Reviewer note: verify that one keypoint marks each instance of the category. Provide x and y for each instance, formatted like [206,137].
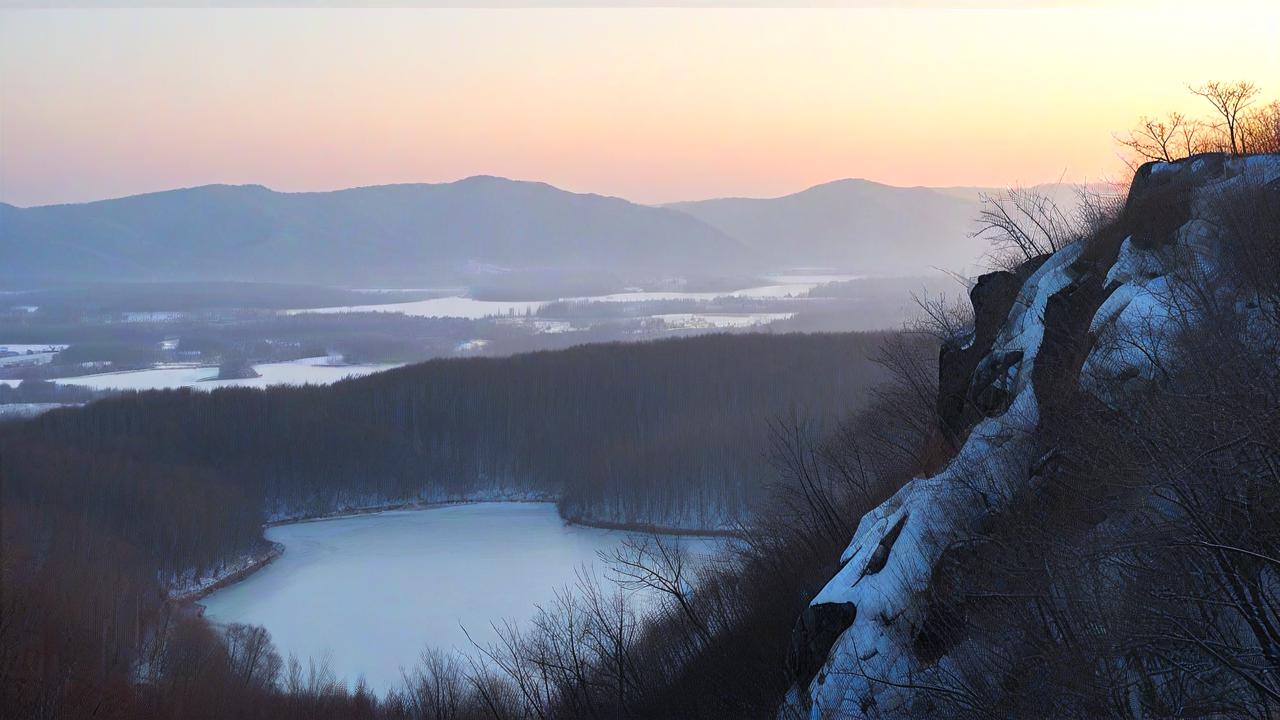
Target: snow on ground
[192,584]
[893,551]
[686,321]
[784,286]
[890,559]
[464,307]
[38,348]
[315,371]
[35,358]
[28,354]
[454,306]
[13,411]
[153,316]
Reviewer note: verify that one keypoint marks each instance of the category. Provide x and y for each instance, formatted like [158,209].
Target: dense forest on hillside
[667,433]
[104,506]
[1063,500]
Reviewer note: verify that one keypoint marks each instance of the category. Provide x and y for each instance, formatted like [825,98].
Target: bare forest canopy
[1114,554]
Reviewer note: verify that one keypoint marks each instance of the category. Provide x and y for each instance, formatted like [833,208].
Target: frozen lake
[454,306]
[370,592]
[738,320]
[314,371]
[781,286]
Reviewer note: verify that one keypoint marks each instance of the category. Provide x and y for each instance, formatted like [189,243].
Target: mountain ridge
[382,234]
[851,224]
[416,233]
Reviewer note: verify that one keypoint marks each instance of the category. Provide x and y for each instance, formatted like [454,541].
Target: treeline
[668,433]
[90,526]
[109,507]
[1240,122]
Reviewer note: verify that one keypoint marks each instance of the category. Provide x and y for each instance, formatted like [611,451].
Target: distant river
[372,591]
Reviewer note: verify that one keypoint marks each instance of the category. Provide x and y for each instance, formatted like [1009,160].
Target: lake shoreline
[255,564]
[649,529]
[392,507]
[408,579]
[262,560]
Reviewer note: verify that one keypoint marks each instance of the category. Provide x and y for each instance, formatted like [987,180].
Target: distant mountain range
[393,235]
[855,225]
[462,232]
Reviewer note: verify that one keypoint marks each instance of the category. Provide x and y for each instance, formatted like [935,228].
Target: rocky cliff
[872,642]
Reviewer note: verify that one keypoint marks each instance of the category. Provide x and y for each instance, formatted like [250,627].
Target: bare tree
[1158,139]
[1229,100]
[436,687]
[1260,128]
[252,659]
[1022,224]
[658,564]
[943,317]
[1097,209]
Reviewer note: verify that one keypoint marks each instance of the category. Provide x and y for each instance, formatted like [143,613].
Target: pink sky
[650,104]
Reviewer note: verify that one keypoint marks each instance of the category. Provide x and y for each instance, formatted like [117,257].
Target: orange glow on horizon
[652,105]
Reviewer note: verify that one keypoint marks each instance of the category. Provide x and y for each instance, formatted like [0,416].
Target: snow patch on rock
[887,566]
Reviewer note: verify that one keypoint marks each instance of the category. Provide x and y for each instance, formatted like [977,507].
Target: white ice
[314,371]
[373,591]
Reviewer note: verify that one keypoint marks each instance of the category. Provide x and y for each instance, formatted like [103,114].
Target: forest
[1121,561]
[110,508]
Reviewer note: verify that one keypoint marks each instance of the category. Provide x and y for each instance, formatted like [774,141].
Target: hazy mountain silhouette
[463,232]
[407,235]
[855,225]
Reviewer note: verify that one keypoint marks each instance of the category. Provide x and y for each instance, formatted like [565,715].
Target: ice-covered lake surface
[725,320]
[454,306]
[371,592]
[781,286]
[314,371]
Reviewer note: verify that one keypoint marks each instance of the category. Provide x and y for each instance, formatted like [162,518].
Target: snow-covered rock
[1102,308]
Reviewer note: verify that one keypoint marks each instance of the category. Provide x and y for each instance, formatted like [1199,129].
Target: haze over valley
[221,285]
[533,360]
[477,230]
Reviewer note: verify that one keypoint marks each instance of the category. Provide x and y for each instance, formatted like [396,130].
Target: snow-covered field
[684,321]
[455,306]
[371,592]
[781,286]
[13,411]
[28,354]
[18,348]
[315,371]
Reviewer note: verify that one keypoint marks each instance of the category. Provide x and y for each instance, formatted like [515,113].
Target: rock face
[1040,336]
[815,631]
[959,389]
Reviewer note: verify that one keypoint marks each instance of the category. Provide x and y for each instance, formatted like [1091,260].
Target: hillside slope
[1073,396]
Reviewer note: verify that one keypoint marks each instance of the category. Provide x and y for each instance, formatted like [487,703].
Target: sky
[652,104]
